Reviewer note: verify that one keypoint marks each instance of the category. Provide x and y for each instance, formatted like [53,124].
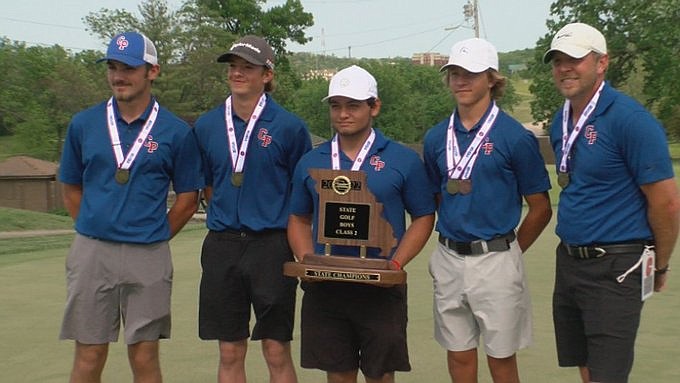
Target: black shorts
[241,270]
[596,318]
[347,326]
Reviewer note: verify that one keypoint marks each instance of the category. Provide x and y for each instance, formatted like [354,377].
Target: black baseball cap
[253,49]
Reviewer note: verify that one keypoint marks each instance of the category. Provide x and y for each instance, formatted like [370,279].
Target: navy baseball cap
[131,48]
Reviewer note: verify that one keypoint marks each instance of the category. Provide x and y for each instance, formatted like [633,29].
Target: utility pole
[476,12]
[471,11]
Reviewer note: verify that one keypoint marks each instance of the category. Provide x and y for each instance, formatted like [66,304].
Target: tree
[157,22]
[307,104]
[642,37]
[659,44]
[190,40]
[41,89]
[277,24]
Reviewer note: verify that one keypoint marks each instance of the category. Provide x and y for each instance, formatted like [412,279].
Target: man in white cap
[350,326]
[250,146]
[618,209]
[483,163]
[117,164]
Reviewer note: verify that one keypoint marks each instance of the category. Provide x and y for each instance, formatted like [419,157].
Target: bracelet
[396,263]
[663,270]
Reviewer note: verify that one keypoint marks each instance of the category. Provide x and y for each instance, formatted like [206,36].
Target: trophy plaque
[349,215]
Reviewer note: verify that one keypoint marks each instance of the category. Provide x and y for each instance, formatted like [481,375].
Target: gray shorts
[481,295]
[108,282]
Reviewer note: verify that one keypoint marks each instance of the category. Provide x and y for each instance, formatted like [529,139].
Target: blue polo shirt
[621,147]
[399,183]
[133,212]
[508,167]
[277,142]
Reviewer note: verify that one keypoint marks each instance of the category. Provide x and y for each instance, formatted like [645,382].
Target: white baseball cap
[353,82]
[474,55]
[576,40]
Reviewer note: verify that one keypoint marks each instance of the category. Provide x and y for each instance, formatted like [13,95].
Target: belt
[228,233]
[597,251]
[499,243]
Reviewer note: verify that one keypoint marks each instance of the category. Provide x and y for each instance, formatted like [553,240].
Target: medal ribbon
[238,155]
[569,139]
[335,152]
[456,164]
[126,163]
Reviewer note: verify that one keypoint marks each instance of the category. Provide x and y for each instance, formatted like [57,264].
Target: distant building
[514,68]
[429,59]
[325,74]
[30,184]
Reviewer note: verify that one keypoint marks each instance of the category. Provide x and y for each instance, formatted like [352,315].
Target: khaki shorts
[481,295]
[108,282]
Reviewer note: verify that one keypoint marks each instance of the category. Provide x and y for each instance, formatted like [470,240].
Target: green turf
[19,219]
[33,293]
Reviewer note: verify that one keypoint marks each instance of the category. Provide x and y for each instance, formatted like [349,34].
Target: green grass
[16,250]
[18,219]
[33,293]
[674,148]
[522,111]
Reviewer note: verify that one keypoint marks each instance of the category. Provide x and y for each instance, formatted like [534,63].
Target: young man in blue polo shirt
[118,161]
[250,147]
[348,326]
[484,163]
[618,209]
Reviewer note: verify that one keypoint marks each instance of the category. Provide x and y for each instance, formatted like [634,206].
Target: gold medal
[237,179]
[122,176]
[563,179]
[464,186]
[452,186]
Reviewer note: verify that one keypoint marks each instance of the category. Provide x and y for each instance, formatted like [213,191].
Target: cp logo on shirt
[264,138]
[488,148]
[377,163]
[151,145]
[590,134]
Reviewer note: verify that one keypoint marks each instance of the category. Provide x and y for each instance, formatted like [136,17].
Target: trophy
[349,215]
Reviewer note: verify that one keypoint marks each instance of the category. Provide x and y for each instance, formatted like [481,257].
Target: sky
[343,28]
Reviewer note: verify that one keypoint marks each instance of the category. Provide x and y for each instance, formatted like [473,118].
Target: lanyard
[238,155]
[456,164]
[569,139]
[335,152]
[126,163]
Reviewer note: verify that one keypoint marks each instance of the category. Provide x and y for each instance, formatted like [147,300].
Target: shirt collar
[269,111]
[380,142]
[458,125]
[142,117]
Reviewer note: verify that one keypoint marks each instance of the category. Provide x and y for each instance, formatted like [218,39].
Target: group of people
[617,218]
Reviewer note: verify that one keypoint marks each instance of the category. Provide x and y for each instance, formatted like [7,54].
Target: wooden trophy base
[345,269]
